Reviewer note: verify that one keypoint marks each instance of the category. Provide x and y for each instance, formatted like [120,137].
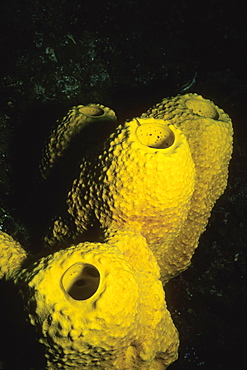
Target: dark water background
[128,55]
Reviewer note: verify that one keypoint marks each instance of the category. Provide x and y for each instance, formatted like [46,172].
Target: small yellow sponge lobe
[11,256]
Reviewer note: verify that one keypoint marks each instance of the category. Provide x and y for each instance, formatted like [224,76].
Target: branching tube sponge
[133,216]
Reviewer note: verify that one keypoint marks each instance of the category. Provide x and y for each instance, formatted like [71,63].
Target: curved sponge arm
[69,127]
[11,256]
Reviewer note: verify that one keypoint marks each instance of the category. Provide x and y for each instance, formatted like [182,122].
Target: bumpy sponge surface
[142,179]
[150,186]
[101,305]
[70,128]
[209,132]
[11,256]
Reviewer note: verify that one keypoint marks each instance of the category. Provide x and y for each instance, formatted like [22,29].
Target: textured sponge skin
[164,192]
[122,323]
[11,256]
[132,185]
[136,186]
[209,133]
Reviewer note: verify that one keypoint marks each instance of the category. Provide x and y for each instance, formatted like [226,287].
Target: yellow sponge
[101,304]
[11,256]
[68,129]
[143,179]
[209,132]
[151,187]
